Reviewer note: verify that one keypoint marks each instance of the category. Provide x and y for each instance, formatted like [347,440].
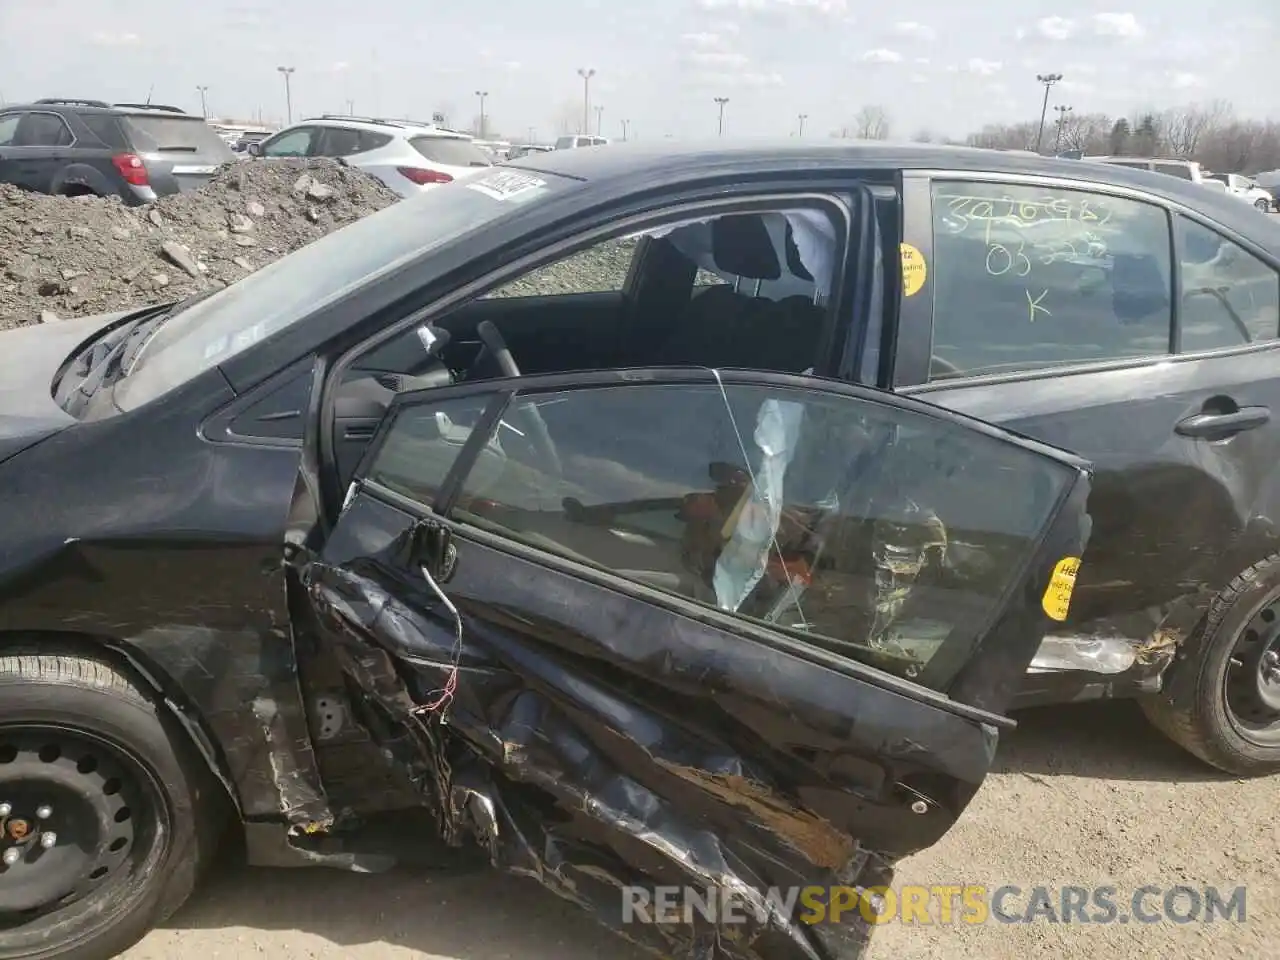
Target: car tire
[87,758]
[1263,205]
[1193,708]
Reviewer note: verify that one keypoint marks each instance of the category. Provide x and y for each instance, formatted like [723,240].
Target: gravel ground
[1070,802]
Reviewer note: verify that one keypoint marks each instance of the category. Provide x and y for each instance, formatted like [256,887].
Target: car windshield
[294,287]
[451,151]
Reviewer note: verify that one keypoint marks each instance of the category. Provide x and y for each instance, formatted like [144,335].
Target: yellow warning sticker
[913,270]
[1057,596]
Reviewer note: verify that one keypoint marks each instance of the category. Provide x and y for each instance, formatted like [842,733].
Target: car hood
[29,359]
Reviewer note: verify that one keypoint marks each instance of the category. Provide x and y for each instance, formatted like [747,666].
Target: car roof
[627,166]
[73,105]
[410,128]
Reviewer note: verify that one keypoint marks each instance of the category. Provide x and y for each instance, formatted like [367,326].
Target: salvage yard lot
[1080,795]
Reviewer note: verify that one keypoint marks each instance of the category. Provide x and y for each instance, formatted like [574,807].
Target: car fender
[83,175]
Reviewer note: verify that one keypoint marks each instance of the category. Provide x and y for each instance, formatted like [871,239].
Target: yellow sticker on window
[1057,596]
[913,270]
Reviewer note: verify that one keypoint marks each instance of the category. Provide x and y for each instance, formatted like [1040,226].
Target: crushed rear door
[728,634]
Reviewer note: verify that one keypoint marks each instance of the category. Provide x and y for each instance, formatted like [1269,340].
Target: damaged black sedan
[566,508]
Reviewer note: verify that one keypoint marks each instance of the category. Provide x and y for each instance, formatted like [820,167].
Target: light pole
[351,108]
[625,124]
[287,72]
[481,95]
[803,118]
[1048,79]
[1062,122]
[530,140]
[586,73]
[599,121]
[204,103]
[720,125]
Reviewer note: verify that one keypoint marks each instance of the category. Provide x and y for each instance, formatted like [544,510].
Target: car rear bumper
[1073,667]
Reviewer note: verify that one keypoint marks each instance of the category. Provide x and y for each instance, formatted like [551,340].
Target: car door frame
[575,234]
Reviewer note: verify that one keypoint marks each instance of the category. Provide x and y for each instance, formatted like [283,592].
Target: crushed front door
[725,634]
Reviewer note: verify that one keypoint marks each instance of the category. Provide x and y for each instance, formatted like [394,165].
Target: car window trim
[912,199]
[502,394]
[61,119]
[310,143]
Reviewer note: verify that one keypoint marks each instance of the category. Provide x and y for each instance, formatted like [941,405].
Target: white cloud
[916,31]
[1125,26]
[512,65]
[881,56]
[716,58]
[922,61]
[723,80]
[918,78]
[1076,86]
[984,68]
[702,41]
[823,7]
[1080,69]
[105,39]
[339,67]
[1181,80]
[1055,28]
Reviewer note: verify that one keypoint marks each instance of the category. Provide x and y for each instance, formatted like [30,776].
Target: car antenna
[150,91]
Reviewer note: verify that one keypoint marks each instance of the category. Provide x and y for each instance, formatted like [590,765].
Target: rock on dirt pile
[73,256]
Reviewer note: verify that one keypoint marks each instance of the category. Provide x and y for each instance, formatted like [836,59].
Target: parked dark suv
[131,150]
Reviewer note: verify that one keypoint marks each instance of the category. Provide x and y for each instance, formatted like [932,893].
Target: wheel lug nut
[44,813]
[48,839]
[5,809]
[11,856]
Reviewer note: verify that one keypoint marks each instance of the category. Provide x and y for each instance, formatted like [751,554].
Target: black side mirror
[255,149]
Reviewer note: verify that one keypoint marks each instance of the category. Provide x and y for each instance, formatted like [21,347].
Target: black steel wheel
[1263,205]
[98,810]
[1222,694]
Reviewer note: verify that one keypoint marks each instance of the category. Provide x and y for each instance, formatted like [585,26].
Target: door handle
[1219,426]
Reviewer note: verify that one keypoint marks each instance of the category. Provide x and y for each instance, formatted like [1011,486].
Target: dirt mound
[73,256]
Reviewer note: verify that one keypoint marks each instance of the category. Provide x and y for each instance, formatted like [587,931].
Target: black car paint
[141,553]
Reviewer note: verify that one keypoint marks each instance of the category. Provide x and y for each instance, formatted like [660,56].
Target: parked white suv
[407,156]
[1174,167]
[1246,189]
[580,140]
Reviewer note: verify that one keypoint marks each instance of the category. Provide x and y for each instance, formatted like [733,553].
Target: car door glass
[1027,277]
[882,534]
[336,142]
[1229,296]
[601,268]
[422,444]
[9,128]
[295,143]
[44,130]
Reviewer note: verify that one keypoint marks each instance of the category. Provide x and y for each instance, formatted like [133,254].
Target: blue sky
[939,64]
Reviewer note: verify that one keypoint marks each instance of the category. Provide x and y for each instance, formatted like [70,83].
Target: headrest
[741,246]
[794,263]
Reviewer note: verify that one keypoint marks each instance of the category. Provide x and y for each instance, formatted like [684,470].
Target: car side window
[1229,296]
[336,142]
[44,130]
[294,143]
[1028,277]
[1179,170]
[882,534]
[9,128]
[601,268]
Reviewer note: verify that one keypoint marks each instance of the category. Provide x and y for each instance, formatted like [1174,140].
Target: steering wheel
[528,412]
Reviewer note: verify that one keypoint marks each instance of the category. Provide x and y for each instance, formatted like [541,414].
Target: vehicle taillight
[422,177]
[131,168]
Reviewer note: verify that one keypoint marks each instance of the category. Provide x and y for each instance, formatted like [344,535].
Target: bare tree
[1185,128]
[871,123]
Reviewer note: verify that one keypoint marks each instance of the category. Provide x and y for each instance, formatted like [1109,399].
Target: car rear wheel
[100,833]
[1222,696]
[1263,205]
